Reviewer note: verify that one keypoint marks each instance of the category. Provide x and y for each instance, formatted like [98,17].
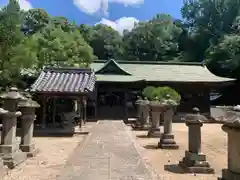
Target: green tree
[63,23]
[35,20]
[224,58]
[86,31]
[208,21]
[154,40]
[10,38]
[59,48]
[105,41]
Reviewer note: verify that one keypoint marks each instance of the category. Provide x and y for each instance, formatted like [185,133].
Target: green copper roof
[112,67]
[162,72]
[116,78]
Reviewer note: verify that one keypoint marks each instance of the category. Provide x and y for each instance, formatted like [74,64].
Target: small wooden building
[63,92]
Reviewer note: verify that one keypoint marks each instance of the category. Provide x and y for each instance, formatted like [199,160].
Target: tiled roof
[164,71]
[66,80]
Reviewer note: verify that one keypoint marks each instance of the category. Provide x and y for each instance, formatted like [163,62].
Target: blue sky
[119,14]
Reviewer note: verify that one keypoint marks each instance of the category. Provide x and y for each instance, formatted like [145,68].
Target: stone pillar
[146,117]
[194,160]
[137,125]
[233,129]
[9,150]
[28,116]
[167,139]
[139,115]
[154,130]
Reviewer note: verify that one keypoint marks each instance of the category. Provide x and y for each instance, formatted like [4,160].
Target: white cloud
[25,5]
[94,6]
[121,24]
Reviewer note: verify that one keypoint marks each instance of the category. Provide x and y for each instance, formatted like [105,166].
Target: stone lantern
[9,149]
[232,128]
[27,108]
[167,139]
[194,160]
[156,109]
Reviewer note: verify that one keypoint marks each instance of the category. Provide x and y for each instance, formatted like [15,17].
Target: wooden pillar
[84,100]
[96,101]
[79,112]
[54,111]
[125,106]
[208,102]
[44,110]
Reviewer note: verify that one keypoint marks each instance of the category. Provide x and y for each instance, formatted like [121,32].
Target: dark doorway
[111,105]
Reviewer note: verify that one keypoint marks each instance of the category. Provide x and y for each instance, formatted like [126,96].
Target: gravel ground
[47,165]
[54,152]
[214,145]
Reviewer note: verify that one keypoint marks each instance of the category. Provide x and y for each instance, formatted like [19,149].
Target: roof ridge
[68,69]
[152,62]
[106,63]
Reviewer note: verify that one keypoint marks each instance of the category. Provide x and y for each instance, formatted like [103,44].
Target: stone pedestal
[233,170]
[194,160]
[139,121]
[28,116]
[146,117]
[27,134]
[9,149]
[154,130]
[167,139]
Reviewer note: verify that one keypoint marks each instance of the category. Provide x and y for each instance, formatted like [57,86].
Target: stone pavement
[109,153]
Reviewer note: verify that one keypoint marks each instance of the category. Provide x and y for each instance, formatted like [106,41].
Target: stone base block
[195,163]
[4,149]
[154,133]
[167,142]
[146,127]
[229,175]
[30,150]
[13,159]
[141,127]
[136,126]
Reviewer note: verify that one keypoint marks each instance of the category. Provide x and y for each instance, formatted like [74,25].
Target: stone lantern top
[28,102]
[12,94]
[234,121]
[195,117]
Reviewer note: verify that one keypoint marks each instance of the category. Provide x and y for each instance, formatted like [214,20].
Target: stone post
[9,149]
[194,160]
[28,116]
[232,128]
[139,119]
[156,110]
[145,115]
[167,139]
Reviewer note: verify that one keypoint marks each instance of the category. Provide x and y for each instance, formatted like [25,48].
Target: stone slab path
[109,153]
